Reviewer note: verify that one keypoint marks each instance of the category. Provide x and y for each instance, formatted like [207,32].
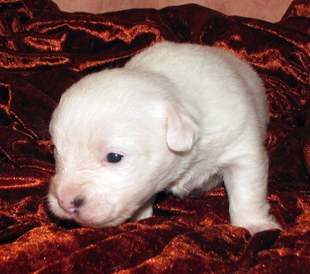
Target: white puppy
[177,117]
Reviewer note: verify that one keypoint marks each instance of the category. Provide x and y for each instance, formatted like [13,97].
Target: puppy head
[119,138]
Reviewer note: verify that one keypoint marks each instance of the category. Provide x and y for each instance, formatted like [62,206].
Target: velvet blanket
[43,51]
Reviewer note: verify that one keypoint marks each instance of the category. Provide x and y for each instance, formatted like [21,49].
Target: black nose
[77,202]
[72,206]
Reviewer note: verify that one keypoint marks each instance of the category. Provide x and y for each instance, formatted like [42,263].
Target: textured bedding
[43,51]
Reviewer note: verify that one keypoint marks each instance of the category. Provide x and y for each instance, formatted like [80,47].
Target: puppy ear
[182,128]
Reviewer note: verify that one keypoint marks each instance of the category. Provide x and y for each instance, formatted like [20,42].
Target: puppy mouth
[104,224]
[118,218]
[88,221]
[87,216]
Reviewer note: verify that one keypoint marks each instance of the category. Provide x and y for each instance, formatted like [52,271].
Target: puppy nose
[72,206]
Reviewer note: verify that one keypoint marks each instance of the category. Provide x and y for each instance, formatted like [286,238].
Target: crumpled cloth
[43,51]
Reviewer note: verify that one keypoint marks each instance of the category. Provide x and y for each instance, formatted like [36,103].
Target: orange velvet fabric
[43,51]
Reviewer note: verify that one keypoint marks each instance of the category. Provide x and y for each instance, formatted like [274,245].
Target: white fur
[183,116]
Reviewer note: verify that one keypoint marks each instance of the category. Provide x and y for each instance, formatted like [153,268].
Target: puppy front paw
[145,211]
[262,225]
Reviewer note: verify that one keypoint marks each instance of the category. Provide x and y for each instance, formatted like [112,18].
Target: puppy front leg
[246,184]
[145,211]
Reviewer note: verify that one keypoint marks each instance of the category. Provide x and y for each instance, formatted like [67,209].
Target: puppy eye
[114,157]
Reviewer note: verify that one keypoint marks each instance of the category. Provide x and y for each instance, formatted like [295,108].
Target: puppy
[177,117]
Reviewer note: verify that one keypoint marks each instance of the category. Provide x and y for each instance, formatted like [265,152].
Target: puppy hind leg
[246,185]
